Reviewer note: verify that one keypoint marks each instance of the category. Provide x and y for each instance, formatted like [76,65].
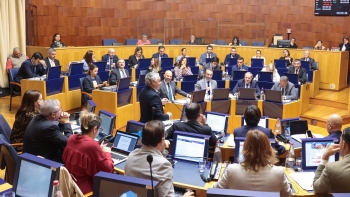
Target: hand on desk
[188,194]
[164,101]
[331,150]
[170,115]
[105,148]
[64,118]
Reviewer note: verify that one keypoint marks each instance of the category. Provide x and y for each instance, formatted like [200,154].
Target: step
[328,103]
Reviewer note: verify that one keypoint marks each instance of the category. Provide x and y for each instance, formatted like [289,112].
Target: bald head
[334,123]
[307,54]
[168,75]
[16,52]
[111,52]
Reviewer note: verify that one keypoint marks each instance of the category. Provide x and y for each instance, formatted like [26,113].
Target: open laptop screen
[217,122]
[125,142]
[264,120]
[108,120]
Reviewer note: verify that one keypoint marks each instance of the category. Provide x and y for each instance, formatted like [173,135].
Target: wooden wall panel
[86,22]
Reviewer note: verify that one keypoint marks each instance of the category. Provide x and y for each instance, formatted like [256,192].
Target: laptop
[53,73]
[247,93]
[273,96]
[221,94]
[124,144]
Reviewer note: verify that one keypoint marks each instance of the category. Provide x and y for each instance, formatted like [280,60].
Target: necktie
[208,87]
[34,69]
[246,85]
[209,56]
[297,71]
[123,73]
[282,91]
[170,93]
[110,63]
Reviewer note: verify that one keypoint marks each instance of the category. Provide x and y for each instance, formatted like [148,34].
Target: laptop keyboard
[118,157]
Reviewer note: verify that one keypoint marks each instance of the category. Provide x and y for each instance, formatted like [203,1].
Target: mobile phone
[109,145]
[309,134]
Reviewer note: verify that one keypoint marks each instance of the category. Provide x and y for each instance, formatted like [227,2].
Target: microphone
[153,109]
[150,160]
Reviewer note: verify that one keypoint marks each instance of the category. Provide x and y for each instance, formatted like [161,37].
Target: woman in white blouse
[270,68]
[258,55]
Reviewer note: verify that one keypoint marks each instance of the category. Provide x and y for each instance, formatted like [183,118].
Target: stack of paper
[304,179]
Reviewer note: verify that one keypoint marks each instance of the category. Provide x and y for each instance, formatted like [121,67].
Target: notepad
[304,179]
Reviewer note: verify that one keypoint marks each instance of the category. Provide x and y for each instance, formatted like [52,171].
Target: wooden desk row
[333,66]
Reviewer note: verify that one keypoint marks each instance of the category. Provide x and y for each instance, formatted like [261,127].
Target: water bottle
[262,95]
[290,159]
[278,127]
[217,153]
[56,192]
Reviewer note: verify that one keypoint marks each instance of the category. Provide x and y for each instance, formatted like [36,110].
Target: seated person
[182,69]
[297,69]
[235,41]
[258,56]
[168,88]
[88,60]
[51,60]
[240,66]
[293,43]
[83,156]
[287,88]
[196,123]
[161,53]
[319,45]
[334,124]
[232,54]
[257,171]
[144,40]
[155,66]
[33,67]
[183,54]
[309,59]
[286,56]
[134,59]
[213,64]
[16,59]
[153,143]
[247,82]
[92,81]
[332,177]
[192,40]
[270,68]
[118,73]
[57,42]
[29,108]
[207,84]
[111,58]
[345,46]
[208,54]
[45,138]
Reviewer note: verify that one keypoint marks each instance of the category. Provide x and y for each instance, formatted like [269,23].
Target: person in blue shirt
[209,54]
[161,53]
[334,123]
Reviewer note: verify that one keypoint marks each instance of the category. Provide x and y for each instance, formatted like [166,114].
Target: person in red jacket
[83,156]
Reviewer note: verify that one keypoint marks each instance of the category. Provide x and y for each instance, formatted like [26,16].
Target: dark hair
[152,133]
[138,49]
[319,41]
[287,51]
[37,55]
[192,111]
[180,62]
[346,136]
[233,39]
[215,59]
[88,121]
[88,57]
[294,39]
[240,58]
[252,115]
[53,39]
[183,49]
[259,51]
[209,46]
[92,67]
[28,102]
[346,37]
[161,47]
[257,151]
[296,60]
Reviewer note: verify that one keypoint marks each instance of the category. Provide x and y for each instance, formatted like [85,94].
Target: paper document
[182,101]
[304,179]
[231,142]
[298,137]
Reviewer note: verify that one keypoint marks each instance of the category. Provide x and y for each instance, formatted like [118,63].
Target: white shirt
[122,73]
[52,62]
[207,96]
[343,48]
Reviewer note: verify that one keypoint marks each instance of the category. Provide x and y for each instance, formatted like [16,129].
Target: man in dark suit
[297,69]
[287,88]
[118,73]
[208,54]
[196,123]
[252,115]
[232,54]
[51,60]
[111,58]
[247,82]
[33,67]
[168,88]
[151,105]
[161,53]
[334,123]
[43,137]
[213,64]
[240,66]
[309,59]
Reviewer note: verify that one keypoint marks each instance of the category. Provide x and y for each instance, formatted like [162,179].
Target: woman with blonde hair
[155,66]
[257,170]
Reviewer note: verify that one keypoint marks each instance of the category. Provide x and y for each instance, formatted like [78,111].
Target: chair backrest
[108,41]
[10,157]
[5,126]
[81,83]
[13,73]
[243,42]
[308,47]
[258,43]
[175,41]
[155,40]
[316,65]
[220,42]
[131,41]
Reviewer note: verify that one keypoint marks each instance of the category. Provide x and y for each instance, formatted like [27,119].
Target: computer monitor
[167,61]
[264,122]
[257,62]
[191,61]
[183,117]
[280,64]
[109,184]
[141,81]
[76,69]
[216,192]
[101,65]
[108,120]
[217,122]
[283,43]
[91,106]
[198,96]
[232,61]
[220,94]
[190,147]
[134,126]
[285,124]
[293,78]
[34,176]
[298,127]
[144,63]
[53,72]
[313,150]
[273,96]
[124,83]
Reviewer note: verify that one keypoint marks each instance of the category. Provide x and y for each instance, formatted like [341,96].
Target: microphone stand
[150,160]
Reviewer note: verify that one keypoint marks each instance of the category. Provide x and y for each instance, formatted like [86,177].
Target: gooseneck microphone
[153,109]
[150,160]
